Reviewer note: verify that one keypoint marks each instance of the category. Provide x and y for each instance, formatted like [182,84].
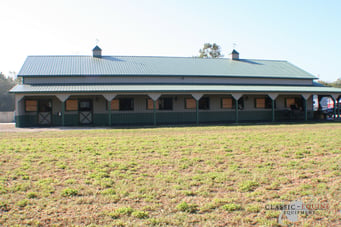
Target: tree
[336,83]
[6,99]
[210,51]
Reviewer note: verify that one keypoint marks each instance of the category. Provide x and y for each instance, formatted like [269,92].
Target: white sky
[306,33]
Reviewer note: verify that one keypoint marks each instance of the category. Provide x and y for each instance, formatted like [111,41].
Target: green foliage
[22,203]
[68,192]
[336,83]
[140,214]
[232,207]
[185,207]
[121,211]
[210,51]
[7,99]
[4,206]
[253,208]
[32,195]
[248,186]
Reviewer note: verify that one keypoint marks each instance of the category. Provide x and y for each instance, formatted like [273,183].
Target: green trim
[176,117]
[259,115]
[171,118]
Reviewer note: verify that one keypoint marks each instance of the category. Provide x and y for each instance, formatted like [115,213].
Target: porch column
[109,98]
[305,97]
[197,97]
[154,97]
[63,98]
[236,97]
[18,98]
[273,97]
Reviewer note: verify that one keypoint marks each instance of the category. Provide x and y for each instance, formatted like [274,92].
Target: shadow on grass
[231,124]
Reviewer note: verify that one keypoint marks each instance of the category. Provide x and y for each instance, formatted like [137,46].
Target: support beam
[154,112]
[109,113]
[236,110]
[197,110]
[18,98]
[305,98]
[305,110]
[236,97]
[154,97]
[63,98]
[273,109]
[273,97]
[109,98]
[63,113]
[197,97]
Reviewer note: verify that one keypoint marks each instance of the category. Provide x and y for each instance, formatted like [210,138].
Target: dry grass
[213,176]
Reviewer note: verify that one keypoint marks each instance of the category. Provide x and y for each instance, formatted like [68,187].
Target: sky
[306,33]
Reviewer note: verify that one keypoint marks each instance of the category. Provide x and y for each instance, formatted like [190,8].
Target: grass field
[179,176]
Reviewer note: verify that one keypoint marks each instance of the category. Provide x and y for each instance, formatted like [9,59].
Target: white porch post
[305,97]
[197,97]
[109,98]
[63,98]
[236,97]
[154,97]
[18,98]
[273,97]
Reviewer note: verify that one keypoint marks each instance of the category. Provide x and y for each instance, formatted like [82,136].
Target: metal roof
[158,66]
[171,88]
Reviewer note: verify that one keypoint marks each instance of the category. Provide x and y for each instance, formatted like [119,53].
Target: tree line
[6,99]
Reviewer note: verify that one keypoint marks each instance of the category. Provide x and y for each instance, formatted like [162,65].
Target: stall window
[226,103]
[190,103]
[165,103]
[263,103]
[150,104]
[126,104]
[294,103]
[31,105]
[45,106]
[204,103]
[115,104]
[85,105]
[71,105]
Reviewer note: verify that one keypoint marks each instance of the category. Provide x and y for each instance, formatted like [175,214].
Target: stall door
[45,112]
[85,112]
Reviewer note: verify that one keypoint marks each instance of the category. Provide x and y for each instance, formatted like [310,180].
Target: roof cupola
[97,52]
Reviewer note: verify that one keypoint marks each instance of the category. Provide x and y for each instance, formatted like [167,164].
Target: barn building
[102,90]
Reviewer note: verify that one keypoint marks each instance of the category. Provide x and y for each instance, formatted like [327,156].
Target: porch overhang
[169,89]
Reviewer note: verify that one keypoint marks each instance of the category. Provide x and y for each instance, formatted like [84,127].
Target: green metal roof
[158,66]
[171,88]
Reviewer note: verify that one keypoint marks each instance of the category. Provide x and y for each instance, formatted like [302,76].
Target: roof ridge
[145,56]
